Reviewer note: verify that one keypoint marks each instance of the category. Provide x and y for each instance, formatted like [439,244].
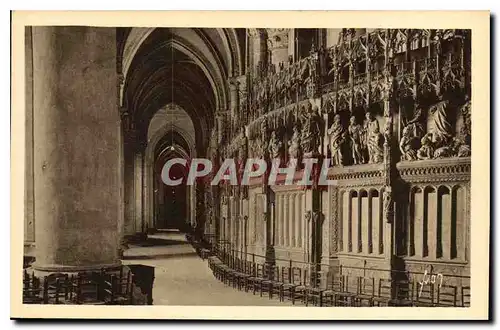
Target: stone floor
[182,278]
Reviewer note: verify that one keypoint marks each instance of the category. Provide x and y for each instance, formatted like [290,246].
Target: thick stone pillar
[29,217]
[76,148]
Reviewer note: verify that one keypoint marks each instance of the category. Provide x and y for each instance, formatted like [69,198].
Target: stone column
[257,40]
[29,217]
[138,191]
[76,148]
[129,185]
[277,43]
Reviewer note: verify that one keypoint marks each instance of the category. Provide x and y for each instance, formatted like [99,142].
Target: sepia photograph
[218,165]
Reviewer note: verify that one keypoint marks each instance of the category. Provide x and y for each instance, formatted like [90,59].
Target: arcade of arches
[107,107]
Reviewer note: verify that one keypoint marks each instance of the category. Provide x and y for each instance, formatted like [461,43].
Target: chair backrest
[350,284]
[465,296]
[259,270]
[425,293]
[285,274]
[317,278]
[447,295]
[366,286]
[405,290]
[296,275]
[274,274]
[248,267]
[336,283]
[384,288]
[306,277]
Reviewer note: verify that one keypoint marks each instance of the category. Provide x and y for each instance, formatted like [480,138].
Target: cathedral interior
[106,108]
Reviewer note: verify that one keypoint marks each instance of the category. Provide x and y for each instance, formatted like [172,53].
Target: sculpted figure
[462,149]
[310,129]
[442,126]
[409,143]
[337,136]
[388,204]
[275,147]
[294,145]
[356,136]
[373,139]
[426,151]
[243,150]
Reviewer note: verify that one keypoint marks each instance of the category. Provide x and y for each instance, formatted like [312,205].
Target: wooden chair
[56,289]
[32,289]
[263,284]
[346,296]
[314,292]
[384,293]
[465,296]
[242,274]
[366,292]
[294,281]
[283,277]
[271,278]
[286,280]
[109,290]
[87,288]
[300,291]
[447,296]
[404,293]
[255,281]
[335,285]
[425,296]
[249,273]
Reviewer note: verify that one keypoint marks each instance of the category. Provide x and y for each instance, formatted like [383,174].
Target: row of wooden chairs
[94,288]
[309,287]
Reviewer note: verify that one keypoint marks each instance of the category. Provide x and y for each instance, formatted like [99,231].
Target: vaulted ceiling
[189,67]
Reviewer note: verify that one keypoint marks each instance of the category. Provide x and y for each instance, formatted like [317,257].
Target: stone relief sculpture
[294,146]
[441,126]
[373,139]
[275,147]
[242,158]
[426,151]
[337,137]
[408,144]
[262,144]
[356,137]
[463,149]
[387,204]
[311,132]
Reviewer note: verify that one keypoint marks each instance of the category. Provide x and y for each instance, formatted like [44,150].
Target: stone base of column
[44,270]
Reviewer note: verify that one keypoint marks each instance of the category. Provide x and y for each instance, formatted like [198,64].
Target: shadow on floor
[150,241]
[159,256]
